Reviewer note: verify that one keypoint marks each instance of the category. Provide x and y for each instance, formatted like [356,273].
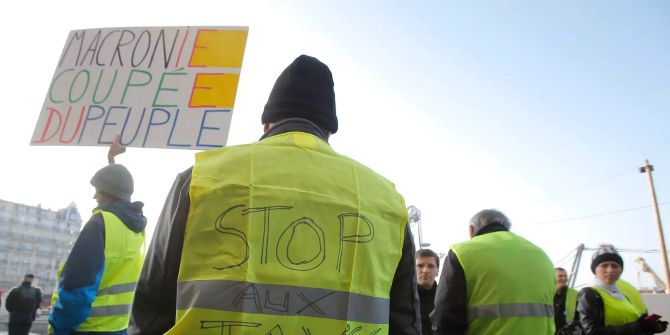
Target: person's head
[486,218]
[303,90]
[561,278]
[28,279]
[113,182]
[607,264]
[427,265]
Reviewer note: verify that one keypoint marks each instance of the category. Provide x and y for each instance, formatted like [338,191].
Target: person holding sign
[96,284]
[281,236]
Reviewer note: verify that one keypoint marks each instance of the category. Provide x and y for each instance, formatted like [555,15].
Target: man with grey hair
[495,283]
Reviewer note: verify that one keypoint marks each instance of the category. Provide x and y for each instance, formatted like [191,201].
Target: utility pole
[648,169]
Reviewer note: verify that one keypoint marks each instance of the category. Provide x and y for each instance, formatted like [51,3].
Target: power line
[589,216]
[646,251]
[643,251]
[575,189]
[566,257]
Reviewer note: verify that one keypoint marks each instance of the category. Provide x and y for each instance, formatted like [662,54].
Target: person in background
[427,266]
[243,234]
[603,309]
[22,304]
[565,299]
[495,283]
[97,282]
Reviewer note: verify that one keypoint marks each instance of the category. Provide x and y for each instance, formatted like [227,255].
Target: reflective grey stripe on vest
[244,297]
[109,310]
[510,310]
[116,289]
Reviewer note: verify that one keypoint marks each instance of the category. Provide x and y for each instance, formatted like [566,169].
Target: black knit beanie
[605,253]
[303,90]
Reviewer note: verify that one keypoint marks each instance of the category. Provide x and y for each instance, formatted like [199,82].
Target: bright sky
[543,110]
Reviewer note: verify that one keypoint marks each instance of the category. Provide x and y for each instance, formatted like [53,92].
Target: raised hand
[115,149]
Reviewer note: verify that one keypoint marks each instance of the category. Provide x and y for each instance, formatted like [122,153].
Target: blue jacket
[81,275]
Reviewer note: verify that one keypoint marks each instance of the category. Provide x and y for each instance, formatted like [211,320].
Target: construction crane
[644,268]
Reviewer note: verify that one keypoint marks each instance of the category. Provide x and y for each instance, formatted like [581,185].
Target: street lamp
[415,218]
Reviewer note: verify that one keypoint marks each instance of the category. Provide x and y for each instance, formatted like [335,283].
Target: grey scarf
[612,290]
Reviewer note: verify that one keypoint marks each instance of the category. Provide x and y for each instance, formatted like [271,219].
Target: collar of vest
[295,124]
[492,228]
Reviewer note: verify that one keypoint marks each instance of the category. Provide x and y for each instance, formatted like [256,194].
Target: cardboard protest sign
[158,87]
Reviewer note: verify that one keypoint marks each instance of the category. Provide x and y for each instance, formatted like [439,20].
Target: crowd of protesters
[287,236]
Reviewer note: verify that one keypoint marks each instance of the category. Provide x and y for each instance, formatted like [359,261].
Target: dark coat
[427,300]
[22,303]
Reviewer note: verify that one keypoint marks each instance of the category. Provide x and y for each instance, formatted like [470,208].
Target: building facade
[35,240]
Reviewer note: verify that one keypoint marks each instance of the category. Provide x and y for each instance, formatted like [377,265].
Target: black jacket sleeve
[450,316]
[591,312]
[87,257]
[153,310]
[405,317]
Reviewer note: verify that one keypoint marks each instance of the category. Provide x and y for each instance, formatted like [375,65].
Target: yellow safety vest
[54,295]
[510,285]
[633,295]
[617,312]
[570,304]
[285,236]
[124,255]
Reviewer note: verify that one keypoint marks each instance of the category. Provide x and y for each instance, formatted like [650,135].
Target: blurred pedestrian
[22,304]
